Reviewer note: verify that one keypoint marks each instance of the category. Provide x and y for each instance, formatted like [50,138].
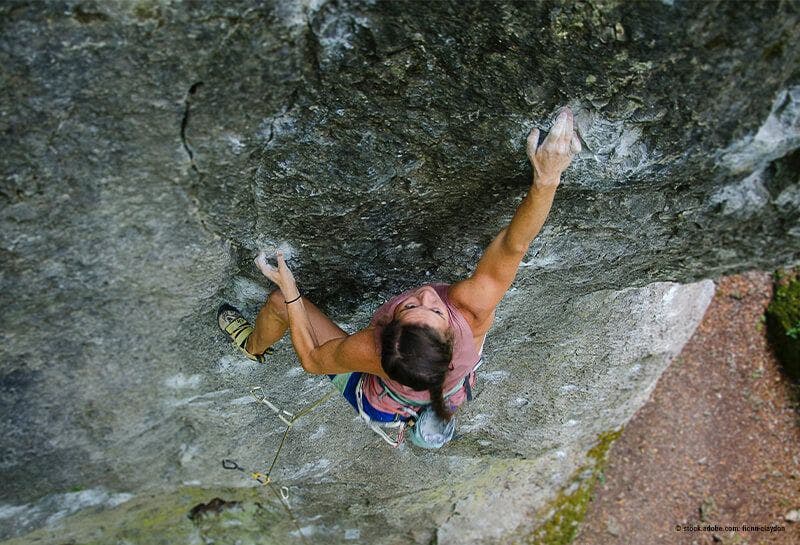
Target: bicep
[356,352]
[476,298]
[480,294]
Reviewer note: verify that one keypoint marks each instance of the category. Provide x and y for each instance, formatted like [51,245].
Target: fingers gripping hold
[533,143]
[550,158]
[266,269]
[575,145]
[562,128]
[282,268]
[282,275]
[261,263]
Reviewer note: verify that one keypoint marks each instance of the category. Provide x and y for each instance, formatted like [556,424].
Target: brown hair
[418,356]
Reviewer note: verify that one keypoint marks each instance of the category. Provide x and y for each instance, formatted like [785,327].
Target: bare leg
[273,321]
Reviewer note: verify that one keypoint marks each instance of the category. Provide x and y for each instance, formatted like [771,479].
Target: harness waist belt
[405,401]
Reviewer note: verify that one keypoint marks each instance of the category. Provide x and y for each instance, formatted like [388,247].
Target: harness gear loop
[378,428]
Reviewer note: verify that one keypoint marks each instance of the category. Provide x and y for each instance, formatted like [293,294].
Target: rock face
[149,148]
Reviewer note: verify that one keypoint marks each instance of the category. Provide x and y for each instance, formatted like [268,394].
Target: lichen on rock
[562,516]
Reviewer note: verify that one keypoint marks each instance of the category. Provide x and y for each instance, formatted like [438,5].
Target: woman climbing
[415,361]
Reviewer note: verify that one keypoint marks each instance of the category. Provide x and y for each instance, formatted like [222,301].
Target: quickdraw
[264,479]
[260,477]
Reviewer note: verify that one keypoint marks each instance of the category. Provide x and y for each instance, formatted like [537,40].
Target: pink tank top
[465,357]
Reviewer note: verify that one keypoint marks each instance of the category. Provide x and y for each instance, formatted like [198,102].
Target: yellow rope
[265,479]
[284,501]
[280,447]
[314,405]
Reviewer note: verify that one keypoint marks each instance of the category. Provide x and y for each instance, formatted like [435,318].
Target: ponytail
[418,356]
[438,405]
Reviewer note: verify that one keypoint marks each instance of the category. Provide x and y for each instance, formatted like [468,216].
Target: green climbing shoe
[232,322]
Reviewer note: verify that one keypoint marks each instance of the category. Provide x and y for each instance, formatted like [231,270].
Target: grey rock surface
[151,147]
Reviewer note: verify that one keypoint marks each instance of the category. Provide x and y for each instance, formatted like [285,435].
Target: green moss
[783,320]
[565,513]
[251,516]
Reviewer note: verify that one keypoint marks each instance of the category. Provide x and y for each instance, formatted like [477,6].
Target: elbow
[518,251]
[311,365]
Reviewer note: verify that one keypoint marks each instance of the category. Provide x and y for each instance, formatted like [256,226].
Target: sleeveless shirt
[464,359]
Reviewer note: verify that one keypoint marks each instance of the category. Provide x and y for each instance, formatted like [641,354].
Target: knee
[276,301]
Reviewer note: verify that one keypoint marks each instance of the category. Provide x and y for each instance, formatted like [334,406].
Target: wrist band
[295,299]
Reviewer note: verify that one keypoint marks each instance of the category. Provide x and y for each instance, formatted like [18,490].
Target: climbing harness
[433,433]
[378,427]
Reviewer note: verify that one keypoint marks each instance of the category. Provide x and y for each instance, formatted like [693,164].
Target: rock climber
[416,359]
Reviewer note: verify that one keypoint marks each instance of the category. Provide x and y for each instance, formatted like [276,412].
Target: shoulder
[466,295]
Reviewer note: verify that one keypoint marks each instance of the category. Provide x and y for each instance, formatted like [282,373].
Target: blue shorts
[346,383]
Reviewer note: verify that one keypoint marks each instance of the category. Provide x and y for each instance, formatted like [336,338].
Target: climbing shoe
[232,322]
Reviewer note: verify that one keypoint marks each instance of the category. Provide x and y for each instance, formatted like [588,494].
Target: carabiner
[230,464]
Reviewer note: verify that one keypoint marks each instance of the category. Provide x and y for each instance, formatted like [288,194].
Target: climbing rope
[265,479]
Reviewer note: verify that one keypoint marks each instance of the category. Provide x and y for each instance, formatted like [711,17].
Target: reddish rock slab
[717,444]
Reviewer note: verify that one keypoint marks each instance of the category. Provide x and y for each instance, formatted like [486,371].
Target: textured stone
[150,147]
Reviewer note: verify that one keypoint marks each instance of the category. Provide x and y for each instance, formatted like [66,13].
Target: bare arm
[356,352]
[479,294]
